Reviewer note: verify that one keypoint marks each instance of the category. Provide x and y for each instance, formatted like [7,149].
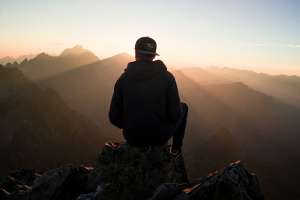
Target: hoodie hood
[144,69]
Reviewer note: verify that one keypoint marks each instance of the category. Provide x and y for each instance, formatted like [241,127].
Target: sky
[258,35]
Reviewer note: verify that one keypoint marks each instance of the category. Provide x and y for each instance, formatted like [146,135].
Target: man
[146,104]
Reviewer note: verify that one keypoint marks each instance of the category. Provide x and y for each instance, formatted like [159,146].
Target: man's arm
[116,110]
[173,104]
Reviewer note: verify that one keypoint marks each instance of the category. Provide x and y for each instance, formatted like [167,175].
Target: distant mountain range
[264,128]
[8,59]
[285,89]
[39,130]
[75,51]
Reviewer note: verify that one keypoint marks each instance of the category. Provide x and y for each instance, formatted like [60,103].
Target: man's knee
[184,107]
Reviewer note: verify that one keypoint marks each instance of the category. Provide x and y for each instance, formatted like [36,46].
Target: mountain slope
[118,63]
[204,77]
[276,182]
[262,128]
[283,88]
[39,130]
[45,66]
[5,60]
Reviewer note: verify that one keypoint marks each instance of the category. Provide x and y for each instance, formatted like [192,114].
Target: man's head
[145,49]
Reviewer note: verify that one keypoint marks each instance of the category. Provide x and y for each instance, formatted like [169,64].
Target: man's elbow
[116,121]
[174,118]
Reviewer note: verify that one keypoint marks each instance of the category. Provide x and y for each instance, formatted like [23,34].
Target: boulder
[125,172]
[104,163]
[137,172]
[67,182]
[18,184]
[233,183]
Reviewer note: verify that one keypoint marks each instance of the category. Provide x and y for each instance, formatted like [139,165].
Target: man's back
[145,103]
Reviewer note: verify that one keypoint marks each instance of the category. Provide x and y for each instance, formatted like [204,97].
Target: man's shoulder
[167,74]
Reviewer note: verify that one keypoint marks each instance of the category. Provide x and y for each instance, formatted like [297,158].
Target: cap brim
[148,52]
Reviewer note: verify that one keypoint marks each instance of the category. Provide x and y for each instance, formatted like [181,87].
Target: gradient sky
[259,35]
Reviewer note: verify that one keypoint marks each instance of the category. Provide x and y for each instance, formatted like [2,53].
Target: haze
[262,36]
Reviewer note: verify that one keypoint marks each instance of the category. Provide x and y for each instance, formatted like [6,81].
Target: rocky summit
[125,172]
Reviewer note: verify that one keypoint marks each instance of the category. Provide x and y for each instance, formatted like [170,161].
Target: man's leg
[179,129]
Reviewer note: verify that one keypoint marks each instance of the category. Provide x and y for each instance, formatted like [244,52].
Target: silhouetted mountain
[75,51]
[283,88]
[257,123]
[45,66]
[8,59]
[83,82]
[262,128]
[28,57]
[118,63]
[222,150]
[204,77]
[39,130]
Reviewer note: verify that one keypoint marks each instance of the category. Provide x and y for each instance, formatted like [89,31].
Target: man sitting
[146,103]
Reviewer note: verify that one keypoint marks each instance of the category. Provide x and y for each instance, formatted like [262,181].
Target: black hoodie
[145,103]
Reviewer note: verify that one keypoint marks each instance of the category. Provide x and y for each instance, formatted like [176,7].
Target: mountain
[262,128]
[45,66]
[86,84]
[39,130]
[5,60]
[222,149]
[75,51]
[204,77]
[83,82]
[118,63]
[285,89]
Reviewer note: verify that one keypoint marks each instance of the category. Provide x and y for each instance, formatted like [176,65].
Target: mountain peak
[222,144]
[212,67]
[75,51]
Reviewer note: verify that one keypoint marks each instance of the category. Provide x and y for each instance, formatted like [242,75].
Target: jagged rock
[133,173]
[17,185]
[91,195]
[233,182]
[137,172]
[104,162]
[4,194]
[47,186]
[25,176]
[66,182]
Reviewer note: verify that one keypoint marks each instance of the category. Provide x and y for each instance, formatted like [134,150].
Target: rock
[91,195]
[104,162]
[233,182]
[125,172]
[4,195]
[136,173]
[17,185]
[25,176]
[66,182]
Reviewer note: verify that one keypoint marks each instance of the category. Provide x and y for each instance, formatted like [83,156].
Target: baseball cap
[146,45]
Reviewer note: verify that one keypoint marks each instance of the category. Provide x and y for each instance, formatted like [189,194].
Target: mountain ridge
[39,130]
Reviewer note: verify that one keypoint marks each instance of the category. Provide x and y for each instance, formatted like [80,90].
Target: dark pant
[178,129]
